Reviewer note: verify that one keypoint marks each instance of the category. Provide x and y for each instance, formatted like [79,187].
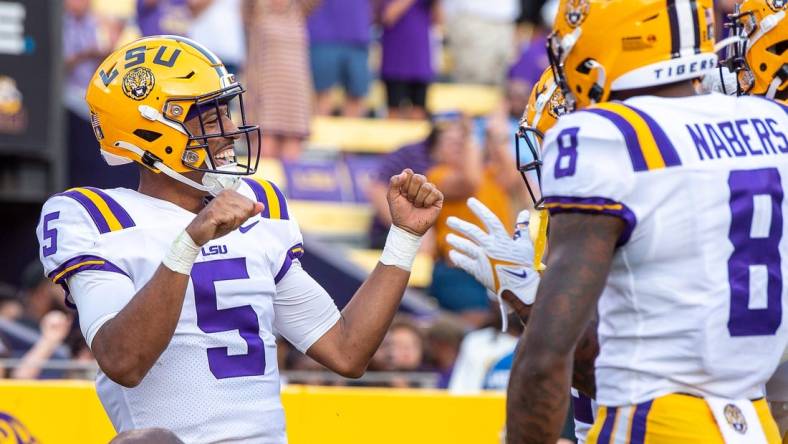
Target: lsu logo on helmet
[777,5]
[576,12]
[138,83]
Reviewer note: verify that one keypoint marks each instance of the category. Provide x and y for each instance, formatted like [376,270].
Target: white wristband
[182,254]
[401,248]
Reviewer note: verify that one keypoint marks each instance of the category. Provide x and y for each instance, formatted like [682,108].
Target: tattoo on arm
[582,248]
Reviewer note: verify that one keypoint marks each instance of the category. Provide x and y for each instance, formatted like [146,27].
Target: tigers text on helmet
[142,96]
[599,46]
[544,107]
[758,55]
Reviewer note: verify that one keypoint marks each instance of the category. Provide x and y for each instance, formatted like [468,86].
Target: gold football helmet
[599,46]
[141,97]
[759,54]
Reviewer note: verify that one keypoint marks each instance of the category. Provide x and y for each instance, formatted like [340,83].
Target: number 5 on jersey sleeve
[754,267]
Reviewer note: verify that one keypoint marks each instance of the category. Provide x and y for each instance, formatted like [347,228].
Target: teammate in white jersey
[179,293]
[758,62]
[666,216]
[505,264]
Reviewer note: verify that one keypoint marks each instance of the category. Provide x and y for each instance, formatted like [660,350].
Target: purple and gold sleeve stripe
[82,263]
[268,194]
[105,211]
[594,205]
[295,252]
[648,146]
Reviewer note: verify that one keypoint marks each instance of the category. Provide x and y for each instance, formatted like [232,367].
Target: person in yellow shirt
[462,170]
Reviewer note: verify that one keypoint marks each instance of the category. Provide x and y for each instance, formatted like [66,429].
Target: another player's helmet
[759,56]
[544,107]
[140,97]
[599,46]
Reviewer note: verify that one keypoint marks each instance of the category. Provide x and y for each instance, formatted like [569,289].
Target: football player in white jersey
[666,218]
[505,264]
[180,284]
[758,61]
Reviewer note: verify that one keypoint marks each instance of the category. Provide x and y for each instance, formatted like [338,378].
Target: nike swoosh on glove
[495,259]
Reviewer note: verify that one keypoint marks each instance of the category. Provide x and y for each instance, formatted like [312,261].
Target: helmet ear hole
[762,67]
[146,135]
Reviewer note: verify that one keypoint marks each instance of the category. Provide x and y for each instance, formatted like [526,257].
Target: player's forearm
[127,346]
[537,397]
[367,317]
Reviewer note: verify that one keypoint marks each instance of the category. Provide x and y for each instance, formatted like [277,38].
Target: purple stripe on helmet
[581,407]
[259,193]
[289,258]
[638,431]
[625,213]
[90,207]
[666,148]
[630,137]
[283,214]
[106,266]
[121,214]
[607,427]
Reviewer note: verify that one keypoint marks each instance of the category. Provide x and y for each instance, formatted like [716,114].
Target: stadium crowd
[305,58]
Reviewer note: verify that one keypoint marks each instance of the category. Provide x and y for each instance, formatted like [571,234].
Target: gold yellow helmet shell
[141,95]
[764,24]
[599,46]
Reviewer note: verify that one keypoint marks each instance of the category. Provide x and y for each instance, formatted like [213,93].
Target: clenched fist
[225,213]
[414,203]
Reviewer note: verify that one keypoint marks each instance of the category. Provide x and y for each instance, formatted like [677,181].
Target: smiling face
[214,120]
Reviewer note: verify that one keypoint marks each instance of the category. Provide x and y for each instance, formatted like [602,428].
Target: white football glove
[496,260]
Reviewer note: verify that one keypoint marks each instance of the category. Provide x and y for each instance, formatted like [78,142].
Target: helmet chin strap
[211,183]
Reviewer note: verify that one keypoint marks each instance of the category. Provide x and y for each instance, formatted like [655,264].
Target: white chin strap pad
[211,183]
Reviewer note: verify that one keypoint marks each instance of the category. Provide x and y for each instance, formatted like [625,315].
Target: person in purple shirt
[157,17]
[339,34]
[406,68]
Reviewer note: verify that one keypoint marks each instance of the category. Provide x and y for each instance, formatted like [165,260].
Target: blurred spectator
[11,307]
[82,54]
[402,349]
[39,295]
[339,33]
[486,355]
[80,352]
[55,326]
[532,58]
[416,157]
[443,344]
[406,68]
[461,172]
[217,24]
[278,73]
[156,17]
[481,38]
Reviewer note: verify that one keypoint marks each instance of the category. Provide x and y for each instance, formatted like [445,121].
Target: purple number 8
[566,163]
[759,250]
[50,234]
[211,319]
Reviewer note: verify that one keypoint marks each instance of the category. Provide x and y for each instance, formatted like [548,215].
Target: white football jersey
[217,381]
[694,299]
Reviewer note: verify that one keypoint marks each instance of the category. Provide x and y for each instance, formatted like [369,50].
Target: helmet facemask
[529,158]
[556,54]
[208,116]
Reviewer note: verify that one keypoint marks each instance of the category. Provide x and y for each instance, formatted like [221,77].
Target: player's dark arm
[127,346]
[585,352]
[582,248]
[349,345]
